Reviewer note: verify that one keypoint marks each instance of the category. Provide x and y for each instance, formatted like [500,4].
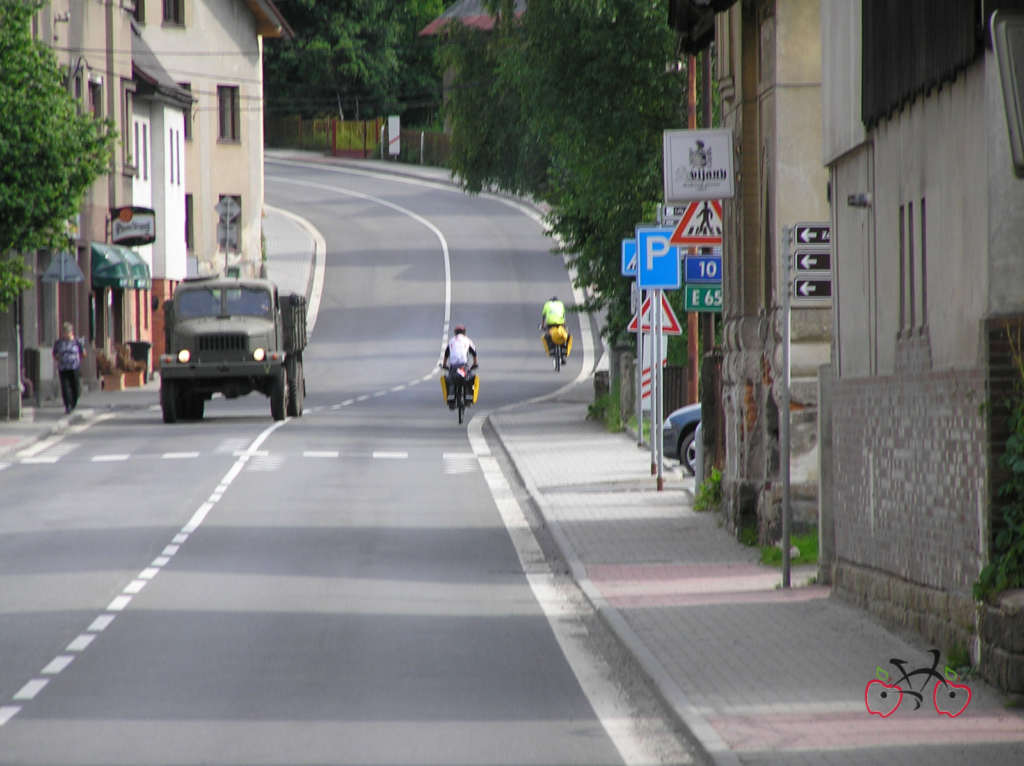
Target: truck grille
[222,342]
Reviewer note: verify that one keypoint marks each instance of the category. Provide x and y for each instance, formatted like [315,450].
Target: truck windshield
[189,304]
[248,301]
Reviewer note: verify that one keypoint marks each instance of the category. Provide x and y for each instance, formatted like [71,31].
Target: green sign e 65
[703,298]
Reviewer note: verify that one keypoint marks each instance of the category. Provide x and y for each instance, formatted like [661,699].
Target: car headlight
[259,354]
[184,355]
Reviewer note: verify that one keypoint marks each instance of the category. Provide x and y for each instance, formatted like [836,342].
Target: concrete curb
[701,733]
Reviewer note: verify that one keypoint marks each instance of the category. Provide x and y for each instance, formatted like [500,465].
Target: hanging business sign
[697,165]
[131,226]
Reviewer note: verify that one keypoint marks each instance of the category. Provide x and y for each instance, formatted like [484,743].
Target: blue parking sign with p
[657,260]
[629,257]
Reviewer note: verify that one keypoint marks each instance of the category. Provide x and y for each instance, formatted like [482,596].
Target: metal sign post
[787,245]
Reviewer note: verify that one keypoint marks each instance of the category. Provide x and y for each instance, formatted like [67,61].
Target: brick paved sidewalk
[759,675]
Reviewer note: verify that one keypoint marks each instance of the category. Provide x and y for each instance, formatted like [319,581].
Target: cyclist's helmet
[554,297]
[460,329]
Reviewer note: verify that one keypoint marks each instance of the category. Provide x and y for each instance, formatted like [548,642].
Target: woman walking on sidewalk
[68,352]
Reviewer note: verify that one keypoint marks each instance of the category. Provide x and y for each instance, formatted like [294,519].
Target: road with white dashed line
[337,588]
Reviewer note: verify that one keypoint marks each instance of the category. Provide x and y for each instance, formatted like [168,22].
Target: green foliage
[49,153]
[569,105]
[807,543]
[1005,569]
[606,409]
[364,57]
[709,493]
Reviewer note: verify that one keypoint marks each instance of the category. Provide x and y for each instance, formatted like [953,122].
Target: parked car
[677,436]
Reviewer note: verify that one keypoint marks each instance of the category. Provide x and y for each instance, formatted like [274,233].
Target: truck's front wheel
[170,401]
[278,394]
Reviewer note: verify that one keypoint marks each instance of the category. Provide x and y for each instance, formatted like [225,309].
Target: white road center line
[31,689]
[327,453]
[8,712]
[119,604]
[57,664]
[179,455]
[134,587]
[81,643]
[109,458]
[101,623]
[387,455]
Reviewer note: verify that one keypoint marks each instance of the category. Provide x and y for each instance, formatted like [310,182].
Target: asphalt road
[337,588]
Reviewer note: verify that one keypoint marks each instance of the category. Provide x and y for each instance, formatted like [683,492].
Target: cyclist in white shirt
[460,348]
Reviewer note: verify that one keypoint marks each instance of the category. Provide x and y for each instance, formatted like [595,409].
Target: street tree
[49,152]
[359,57]
[582,93]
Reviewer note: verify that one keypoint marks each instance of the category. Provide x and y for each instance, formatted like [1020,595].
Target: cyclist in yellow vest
[551,315]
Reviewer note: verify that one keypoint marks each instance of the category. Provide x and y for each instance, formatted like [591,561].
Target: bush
[709,493]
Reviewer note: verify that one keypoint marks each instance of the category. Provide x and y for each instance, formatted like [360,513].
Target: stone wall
[910,496]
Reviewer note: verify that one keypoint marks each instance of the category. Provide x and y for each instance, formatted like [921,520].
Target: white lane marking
[389,455]
[134,587]
[416,382]
[2,467]
[179,538]
[446,253]
[564,606]
[326,453]
[31,689]
[7,712]
[110,458]
[57,664]
[398,388]
[101,623]
[160,561]
[43,459]
[179,455]
[197,518]
[80,644]
[119,604]
[379,393]
[362,398]
[254,453]
[335,407]
[346,403]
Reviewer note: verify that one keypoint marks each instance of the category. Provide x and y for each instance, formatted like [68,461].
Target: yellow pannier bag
[476,388]
[444,387]
[559,335]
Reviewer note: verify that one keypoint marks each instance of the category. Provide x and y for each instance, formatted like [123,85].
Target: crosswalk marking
[459,462]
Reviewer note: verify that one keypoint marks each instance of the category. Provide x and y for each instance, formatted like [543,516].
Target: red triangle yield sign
[699,233]
[669,324]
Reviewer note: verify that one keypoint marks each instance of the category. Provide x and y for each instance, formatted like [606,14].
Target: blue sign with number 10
[704,269]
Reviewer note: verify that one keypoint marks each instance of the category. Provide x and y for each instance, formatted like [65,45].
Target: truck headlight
[259,354]
[184,355]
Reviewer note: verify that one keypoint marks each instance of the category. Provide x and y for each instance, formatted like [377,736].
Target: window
[189,233]
[96,98]
[227,100]
[127,123]
[174,12]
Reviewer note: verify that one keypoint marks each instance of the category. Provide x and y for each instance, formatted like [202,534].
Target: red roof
[470,13]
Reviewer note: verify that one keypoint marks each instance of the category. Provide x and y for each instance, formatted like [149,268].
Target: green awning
[141,279]
[109,267]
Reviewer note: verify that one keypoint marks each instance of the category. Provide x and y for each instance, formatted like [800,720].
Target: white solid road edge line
[632,738]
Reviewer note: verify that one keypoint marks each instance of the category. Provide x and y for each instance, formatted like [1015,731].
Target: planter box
[134,379]
[112,382]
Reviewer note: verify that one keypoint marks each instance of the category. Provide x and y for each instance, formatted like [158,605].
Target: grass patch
[646,436]
[606,410]
[807,543]
[709,493]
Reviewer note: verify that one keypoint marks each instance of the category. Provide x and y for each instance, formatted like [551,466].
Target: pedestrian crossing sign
[700,226]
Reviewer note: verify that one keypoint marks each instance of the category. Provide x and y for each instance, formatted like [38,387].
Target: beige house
[214,48]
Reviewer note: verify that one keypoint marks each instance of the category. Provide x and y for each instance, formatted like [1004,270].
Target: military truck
[232,336]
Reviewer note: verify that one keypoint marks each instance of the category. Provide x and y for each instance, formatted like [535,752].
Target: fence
[355,138]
